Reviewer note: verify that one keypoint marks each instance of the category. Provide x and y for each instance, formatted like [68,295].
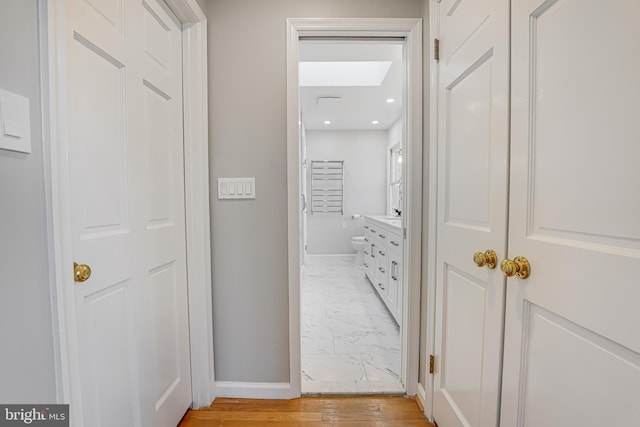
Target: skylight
[344,73]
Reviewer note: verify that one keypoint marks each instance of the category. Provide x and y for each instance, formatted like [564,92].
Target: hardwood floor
[359,411]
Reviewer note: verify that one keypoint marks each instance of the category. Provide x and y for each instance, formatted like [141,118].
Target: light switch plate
[15,127]
[236,188]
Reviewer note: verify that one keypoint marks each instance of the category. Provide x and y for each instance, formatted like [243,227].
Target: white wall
[248,137]
[394,137]
[364,156]
[26,348]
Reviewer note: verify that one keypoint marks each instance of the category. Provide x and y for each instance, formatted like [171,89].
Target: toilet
[358,244]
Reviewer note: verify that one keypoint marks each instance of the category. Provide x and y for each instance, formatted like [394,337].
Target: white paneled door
[572,344]
[473,135]
[128,221]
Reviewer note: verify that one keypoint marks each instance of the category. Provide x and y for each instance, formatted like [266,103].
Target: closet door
[472,209]
[572,346]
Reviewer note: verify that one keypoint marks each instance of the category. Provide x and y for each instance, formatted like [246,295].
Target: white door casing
[572,348]
[63,41]
[411,29]
[473,114]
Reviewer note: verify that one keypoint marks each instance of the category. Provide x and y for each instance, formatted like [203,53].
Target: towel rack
[327,186]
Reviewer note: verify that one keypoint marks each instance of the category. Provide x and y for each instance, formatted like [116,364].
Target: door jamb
[52,25]
[411,29]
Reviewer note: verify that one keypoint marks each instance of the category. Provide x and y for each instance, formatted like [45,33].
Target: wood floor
[357,411]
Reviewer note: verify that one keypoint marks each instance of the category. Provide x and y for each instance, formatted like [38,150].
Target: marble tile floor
[350,343]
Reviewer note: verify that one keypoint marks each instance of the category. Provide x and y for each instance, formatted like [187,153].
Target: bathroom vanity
[383,260]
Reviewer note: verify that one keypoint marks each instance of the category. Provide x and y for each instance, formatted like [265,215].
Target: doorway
[331,207]
[352,128]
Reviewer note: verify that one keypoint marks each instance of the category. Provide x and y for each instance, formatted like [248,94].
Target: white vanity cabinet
[383,261]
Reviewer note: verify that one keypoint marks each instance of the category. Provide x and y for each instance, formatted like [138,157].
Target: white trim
[411,28]
[413,208]
[52,22]
[422,397]
[187,11]
[196,174]
[251,390]
[432,208]
[293,208]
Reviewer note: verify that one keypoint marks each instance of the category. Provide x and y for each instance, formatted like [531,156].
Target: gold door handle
[518,267]
[81,272]
[488,258]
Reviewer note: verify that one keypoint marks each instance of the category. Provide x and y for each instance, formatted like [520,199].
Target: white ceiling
[352,107]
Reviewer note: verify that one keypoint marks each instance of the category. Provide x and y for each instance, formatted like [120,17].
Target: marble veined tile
[369,342]
[333,367]
[381,367]
[350,343]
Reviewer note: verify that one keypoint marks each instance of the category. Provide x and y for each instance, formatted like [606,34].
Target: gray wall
[26,349]
[365,172]
[248,137]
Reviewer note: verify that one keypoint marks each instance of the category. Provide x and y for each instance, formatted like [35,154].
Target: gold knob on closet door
[488,258]
[518,267]
[81,272]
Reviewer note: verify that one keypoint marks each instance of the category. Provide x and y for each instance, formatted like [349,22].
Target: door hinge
[432,364]
[404,233]
[436,49]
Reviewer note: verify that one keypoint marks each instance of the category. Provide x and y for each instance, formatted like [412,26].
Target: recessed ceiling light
[390,100]
[327,122]
[375,122]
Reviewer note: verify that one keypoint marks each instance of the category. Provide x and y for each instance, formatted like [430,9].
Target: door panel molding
[54,79]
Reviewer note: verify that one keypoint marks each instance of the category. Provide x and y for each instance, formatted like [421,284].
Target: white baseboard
[250,390]
[318,259]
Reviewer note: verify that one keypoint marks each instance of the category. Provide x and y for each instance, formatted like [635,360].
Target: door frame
[411,29]
[56,164]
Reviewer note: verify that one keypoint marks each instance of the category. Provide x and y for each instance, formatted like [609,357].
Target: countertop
[393,221]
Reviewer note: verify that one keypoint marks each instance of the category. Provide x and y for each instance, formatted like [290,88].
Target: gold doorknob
[81,272]
[488,258]
[518,267]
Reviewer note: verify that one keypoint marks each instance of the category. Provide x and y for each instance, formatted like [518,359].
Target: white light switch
[236,188]
[15,128]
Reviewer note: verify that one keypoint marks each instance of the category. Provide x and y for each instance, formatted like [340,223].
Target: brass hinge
[436,49]
[432,363]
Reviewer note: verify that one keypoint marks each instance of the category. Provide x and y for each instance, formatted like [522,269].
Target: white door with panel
[572,346]
[473,136]
[128,223]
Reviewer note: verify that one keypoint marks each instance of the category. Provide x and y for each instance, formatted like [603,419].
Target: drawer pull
[393,242]
[372,230]
[366,240]
[381,285]
[366,265]
[381,253]
[382,236]
[381,269]
[366,226]
[366,253]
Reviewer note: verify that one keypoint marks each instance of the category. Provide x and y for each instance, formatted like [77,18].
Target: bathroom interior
[352,291]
